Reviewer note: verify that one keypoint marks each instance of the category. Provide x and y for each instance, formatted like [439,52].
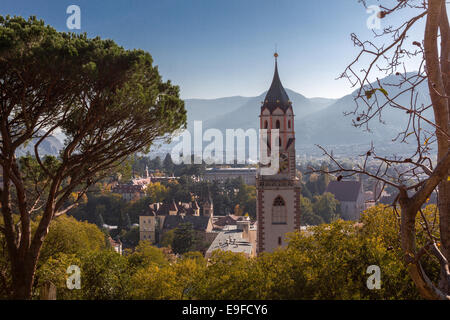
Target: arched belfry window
[279,213]
[266,125]
[289,124]
[277,124]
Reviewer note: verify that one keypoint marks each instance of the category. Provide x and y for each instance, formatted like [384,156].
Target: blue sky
[217,48]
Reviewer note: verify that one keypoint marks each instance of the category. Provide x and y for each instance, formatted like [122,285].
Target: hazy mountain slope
[50,146]
[203,109]
[322,121]
[324,102]
[318,120]
[246,116]
[330,127]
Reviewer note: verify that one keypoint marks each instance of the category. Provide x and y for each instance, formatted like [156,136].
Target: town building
[202,225]
[156,178]
[221,221]
[351,197]
[116,245]
[134,189]
[129,191]
[278,194]
[162,217]
[248,175]
[238,238]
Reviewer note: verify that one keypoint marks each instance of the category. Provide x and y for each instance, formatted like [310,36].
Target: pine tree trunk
[22,278]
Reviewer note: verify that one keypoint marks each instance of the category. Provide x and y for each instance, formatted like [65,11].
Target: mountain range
[317,120]
[51,146]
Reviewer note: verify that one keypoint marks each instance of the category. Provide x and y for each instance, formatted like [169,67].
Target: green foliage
[135,208]
[382,222]
[124,222]
[321,209]
[69,236]
[328,261]
[123,171]
[67,242]
[109,102]
[141,163]
[370,93]
[113,209]
[133,102]
[326,207]
[54,270]
[168,163]
[308,215]
[110,206]
[177,281]
[145,255]
[228,276]
[336,257]
[316,184]
[305,192]
[130,238]
[105,276]
[34,177]
[196,255]
[246,198]
[167,238]
[157,192]
[184,238]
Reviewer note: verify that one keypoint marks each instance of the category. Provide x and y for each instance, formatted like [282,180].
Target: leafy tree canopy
[109,102]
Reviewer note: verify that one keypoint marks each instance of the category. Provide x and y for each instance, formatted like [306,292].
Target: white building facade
[248,175]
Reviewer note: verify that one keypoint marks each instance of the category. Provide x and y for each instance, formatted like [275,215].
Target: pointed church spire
[276,96]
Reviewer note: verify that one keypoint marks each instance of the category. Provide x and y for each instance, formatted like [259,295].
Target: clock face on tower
[284,163]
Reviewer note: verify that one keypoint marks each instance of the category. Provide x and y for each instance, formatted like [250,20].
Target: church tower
[278,195]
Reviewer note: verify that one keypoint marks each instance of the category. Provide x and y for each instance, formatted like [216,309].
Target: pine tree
[168,164]
[184,238]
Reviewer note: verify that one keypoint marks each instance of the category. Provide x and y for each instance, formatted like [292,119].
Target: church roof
[276,96]
[199,223]
[227,220]
[345,190]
